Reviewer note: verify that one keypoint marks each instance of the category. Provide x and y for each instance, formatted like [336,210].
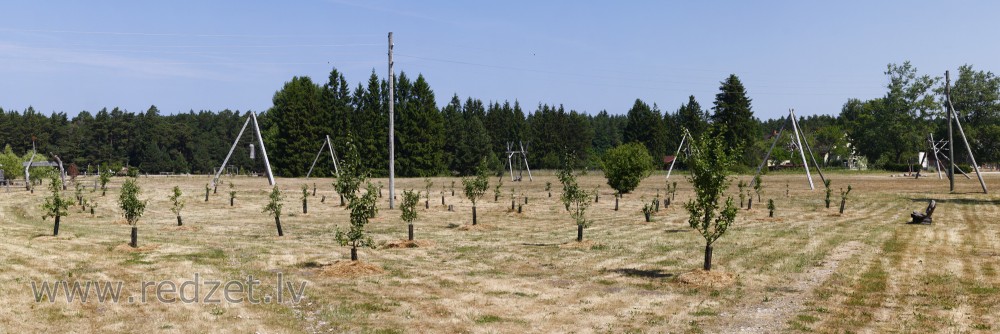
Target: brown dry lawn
[809,269]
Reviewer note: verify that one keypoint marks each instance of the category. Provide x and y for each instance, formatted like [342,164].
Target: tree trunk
[597,198]
[427,204]
[708,257]
[750,203]
[179,222]
[322,199]
[579,232]
[206,195]
[442,199]
[79,201]
[616,203]
[305,206]
[519,209]
[215,189]
[453,192]
[511,205]
[550,194]
[91,211]
[277,222]
[55,229]
[135,237]
[525,199]
[473,215]
[314,190]
[647,216]
[409,231]
[231,200]
[770,213]
[827,204]
[657,206]
[354,253]
[103,192]
[341,199]
[842,202]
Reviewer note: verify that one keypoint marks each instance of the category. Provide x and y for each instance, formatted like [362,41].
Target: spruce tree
[733,112]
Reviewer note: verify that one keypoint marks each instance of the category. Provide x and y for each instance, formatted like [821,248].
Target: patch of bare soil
[579,244]
[410,244]
[713,278]
[63,236]
[129,249]
[350,269]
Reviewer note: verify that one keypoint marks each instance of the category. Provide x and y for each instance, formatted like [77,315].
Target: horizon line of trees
[453,138]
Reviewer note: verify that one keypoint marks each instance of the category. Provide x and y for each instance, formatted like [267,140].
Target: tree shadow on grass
[645,273]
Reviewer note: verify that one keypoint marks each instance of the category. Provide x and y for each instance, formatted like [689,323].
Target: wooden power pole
[392,123]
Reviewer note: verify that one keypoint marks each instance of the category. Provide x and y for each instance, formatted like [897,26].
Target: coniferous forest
[451,139]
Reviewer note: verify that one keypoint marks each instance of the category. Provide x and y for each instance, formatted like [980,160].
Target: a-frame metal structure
[953,120]
[263,151]
[511,153]
[328,145]
[685,139]
[799,141]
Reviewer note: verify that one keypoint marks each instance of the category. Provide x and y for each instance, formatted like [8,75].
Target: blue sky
[589,56]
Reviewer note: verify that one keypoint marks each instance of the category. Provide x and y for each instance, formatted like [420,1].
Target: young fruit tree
[232,194]
[207,191]
[709,162]
[305,198]
[132,208]
[770,207]
[647,209]
[55,206]
[742,186]
[625,166]
[410,200]
[843,197]
[427,192]
[273,208]
[575,199]
[363,208]
[177,204]
[758,186]
[105,177]
[826,183]
[476,186]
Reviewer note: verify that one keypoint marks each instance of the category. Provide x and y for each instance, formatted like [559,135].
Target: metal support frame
[799,140]
[263,150]
[953,116]
[326,144]
[524,158]
[684,135]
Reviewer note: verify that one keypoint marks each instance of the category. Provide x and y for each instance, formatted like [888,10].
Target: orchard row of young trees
[451,139]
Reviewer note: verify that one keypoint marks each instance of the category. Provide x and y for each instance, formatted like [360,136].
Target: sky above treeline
[68,56]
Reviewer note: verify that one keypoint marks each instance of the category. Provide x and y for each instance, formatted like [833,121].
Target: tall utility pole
[392,123]
[951,145]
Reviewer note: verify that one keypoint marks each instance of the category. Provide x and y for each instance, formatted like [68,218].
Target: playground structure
[252,117]
[522,162]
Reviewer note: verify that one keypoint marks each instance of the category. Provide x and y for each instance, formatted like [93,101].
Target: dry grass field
[809,269]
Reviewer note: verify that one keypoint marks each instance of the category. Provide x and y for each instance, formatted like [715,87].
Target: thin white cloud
[126,64]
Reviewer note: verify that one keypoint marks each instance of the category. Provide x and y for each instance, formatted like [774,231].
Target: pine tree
[419,130]
[645,126]
[297,114]
[739,128]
